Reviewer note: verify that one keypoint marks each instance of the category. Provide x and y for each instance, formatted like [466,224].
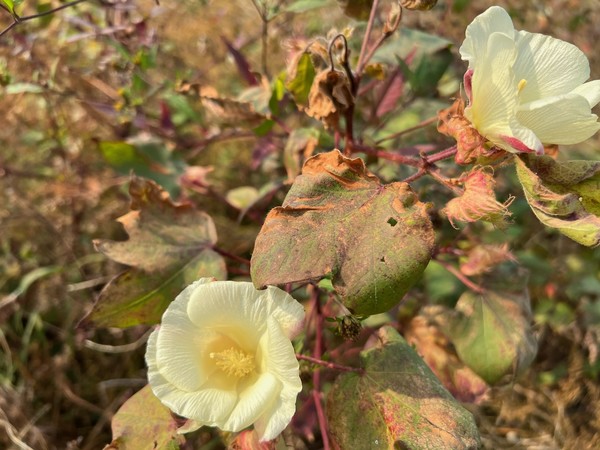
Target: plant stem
[317,352]
[365,42]
[462,278]
[407,130]
[444,154]
[329,365]
[18,20]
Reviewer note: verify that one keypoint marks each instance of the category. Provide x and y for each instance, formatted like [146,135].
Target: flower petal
[179,353]
[590,91]
[253,401]
[565,119]
[280,360]
[286,310]
[493,20]
[549,66]
[209,406]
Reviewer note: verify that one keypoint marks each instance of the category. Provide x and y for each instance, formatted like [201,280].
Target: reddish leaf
[241,62]
[338,220]
[397,403]
[390,93]
[483,258]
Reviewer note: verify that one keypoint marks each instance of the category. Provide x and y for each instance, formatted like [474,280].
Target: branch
[365,42]
[317,352]
[407,130]
[18,20]
[329,365]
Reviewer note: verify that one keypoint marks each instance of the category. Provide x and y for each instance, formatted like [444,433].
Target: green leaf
[491,331]
[23,88]
[374,240]
[430,69]
[408,41]
[10,5]
[564,195]
[143,422]
[398,403]
[300,82]
[30,278]
[169,246]
[148,158]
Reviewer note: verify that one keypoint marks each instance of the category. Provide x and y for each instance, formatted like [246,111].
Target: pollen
[234,362]
[522,84]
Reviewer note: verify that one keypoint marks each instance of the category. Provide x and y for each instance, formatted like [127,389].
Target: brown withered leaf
[478,201]
[470,144]
[227,111]
[425,334]
[330,96]
[169,246]
[338,220]
[482,258]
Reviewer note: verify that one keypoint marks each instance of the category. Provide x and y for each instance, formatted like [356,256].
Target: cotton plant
[240,358]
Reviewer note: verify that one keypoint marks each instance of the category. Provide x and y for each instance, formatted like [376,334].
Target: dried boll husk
[330,95]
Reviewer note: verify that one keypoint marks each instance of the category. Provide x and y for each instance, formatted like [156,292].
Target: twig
[462,278]
[407,130]
[365,42]
[444,154]
[317,352]
[18,20]
[407,160]
[329,365]
[118,348]
[225,253]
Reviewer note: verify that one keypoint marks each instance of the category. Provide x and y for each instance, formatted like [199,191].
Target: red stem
[329,365]
[317,352]
[463,279]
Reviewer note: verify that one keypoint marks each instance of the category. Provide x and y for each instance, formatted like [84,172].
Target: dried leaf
[143,422]
[470,144]
[227,111]
[483,258]
[339,221]
[301,145]
[330,96]
[564,195]
[421,5]
[478,201]
[397,403]
[169,246]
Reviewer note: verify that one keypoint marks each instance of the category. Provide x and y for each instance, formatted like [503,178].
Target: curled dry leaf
[227,111]
[470,144]
[330,96]
[421,5]
[426,335]
[374,241]
[478,201]
[563,195]
[483,258]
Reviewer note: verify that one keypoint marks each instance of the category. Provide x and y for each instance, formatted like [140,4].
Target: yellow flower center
[234,362]
[521,85]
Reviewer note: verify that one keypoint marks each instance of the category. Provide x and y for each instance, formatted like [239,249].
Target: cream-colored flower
[222,357]
[526,89]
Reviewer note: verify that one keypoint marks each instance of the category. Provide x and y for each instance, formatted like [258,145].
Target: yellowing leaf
[563,195]
[398,403]
[169,246]
[144,423]
[478,201]
[300,78]
[339,221]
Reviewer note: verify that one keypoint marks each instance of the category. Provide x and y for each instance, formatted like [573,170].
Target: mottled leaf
[339,221]
[492,331]
[398,403]
[478,202]
[564,195]
[300,146]
[169,246]
[144,423]
[425,334]
[300,79]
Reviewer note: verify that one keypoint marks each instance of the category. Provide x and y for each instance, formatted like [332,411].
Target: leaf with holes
[563,195]
[492,331]
[339,221]
[143,422]
[397,403]
[169,246]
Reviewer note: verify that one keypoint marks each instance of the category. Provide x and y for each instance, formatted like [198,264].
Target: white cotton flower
[222,357]
[526,89]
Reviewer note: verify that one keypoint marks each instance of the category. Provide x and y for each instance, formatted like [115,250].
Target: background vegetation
[124,73]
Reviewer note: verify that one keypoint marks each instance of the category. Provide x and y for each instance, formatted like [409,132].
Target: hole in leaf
[392,221]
